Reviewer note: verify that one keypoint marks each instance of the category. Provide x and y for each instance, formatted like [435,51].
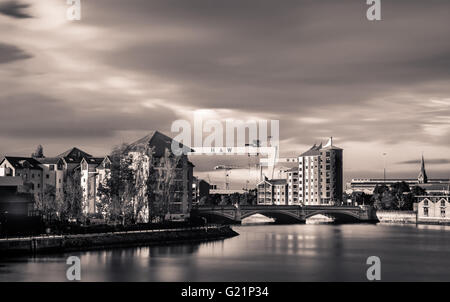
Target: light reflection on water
[262,253]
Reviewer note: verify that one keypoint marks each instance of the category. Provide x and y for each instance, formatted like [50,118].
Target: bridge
[284,213]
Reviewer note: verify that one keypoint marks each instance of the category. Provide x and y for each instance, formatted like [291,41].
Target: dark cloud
[367,83]
[434,161]
[37,115]
[297,58]
[10,53]
[14,9]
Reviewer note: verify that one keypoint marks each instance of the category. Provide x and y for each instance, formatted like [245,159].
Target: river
[309,252]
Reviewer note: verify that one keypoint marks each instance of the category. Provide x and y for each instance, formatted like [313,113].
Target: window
[47,176]
[442,212]
[52,167]
[442,203]
[425,212]
[425,202]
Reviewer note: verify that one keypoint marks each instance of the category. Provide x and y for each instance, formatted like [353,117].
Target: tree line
[139,187]
[397,196]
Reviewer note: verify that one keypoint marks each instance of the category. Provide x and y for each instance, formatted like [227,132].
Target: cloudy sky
[320,67]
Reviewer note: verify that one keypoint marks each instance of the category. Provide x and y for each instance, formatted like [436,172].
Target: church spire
[423,178]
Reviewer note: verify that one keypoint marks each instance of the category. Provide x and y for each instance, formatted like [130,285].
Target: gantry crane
[227,170]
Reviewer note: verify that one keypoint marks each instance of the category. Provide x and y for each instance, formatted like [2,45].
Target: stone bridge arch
[338,215]
[280,216]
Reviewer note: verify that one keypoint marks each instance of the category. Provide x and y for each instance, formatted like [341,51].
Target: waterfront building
[272,192]
[433,186]
[434,208]
[53,174]
[320,176]
[293,186]
[317,179]
[28,169]
[93,172]
[180,202]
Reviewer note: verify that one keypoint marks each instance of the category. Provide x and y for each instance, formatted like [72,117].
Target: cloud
[434,161]
[317,66]
[14,9]
[10,53]
[38,115]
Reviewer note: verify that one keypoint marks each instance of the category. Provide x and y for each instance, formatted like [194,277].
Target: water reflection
[261,253]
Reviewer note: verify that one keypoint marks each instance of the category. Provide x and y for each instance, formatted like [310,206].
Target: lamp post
[384,167]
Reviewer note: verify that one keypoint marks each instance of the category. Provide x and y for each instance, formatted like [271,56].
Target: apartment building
[28,169]
[293,186]
[320,174]
[93,172]
[272,192]
[53,174]
[181,199]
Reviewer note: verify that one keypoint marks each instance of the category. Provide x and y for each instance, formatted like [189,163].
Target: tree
[71,206]
[117,192]
[46,203]
[166,184]
[380,197]
[39,152]
[400,191]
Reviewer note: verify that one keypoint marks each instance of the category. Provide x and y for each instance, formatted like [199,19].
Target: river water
[309,252]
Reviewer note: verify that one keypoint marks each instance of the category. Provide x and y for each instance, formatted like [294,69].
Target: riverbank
[408,217]
[401,217]
[66,243]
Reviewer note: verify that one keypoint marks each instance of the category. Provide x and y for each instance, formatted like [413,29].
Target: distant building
[272,192]
[320,176]
[432,186]
[318,179]
[433,208]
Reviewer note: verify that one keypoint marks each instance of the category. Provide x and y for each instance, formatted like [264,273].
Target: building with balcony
[272,192]
[320,176]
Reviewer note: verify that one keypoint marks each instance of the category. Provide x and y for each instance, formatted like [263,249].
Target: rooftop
[23,162]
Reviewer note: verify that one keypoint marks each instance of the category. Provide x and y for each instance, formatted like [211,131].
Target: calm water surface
[310,252]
